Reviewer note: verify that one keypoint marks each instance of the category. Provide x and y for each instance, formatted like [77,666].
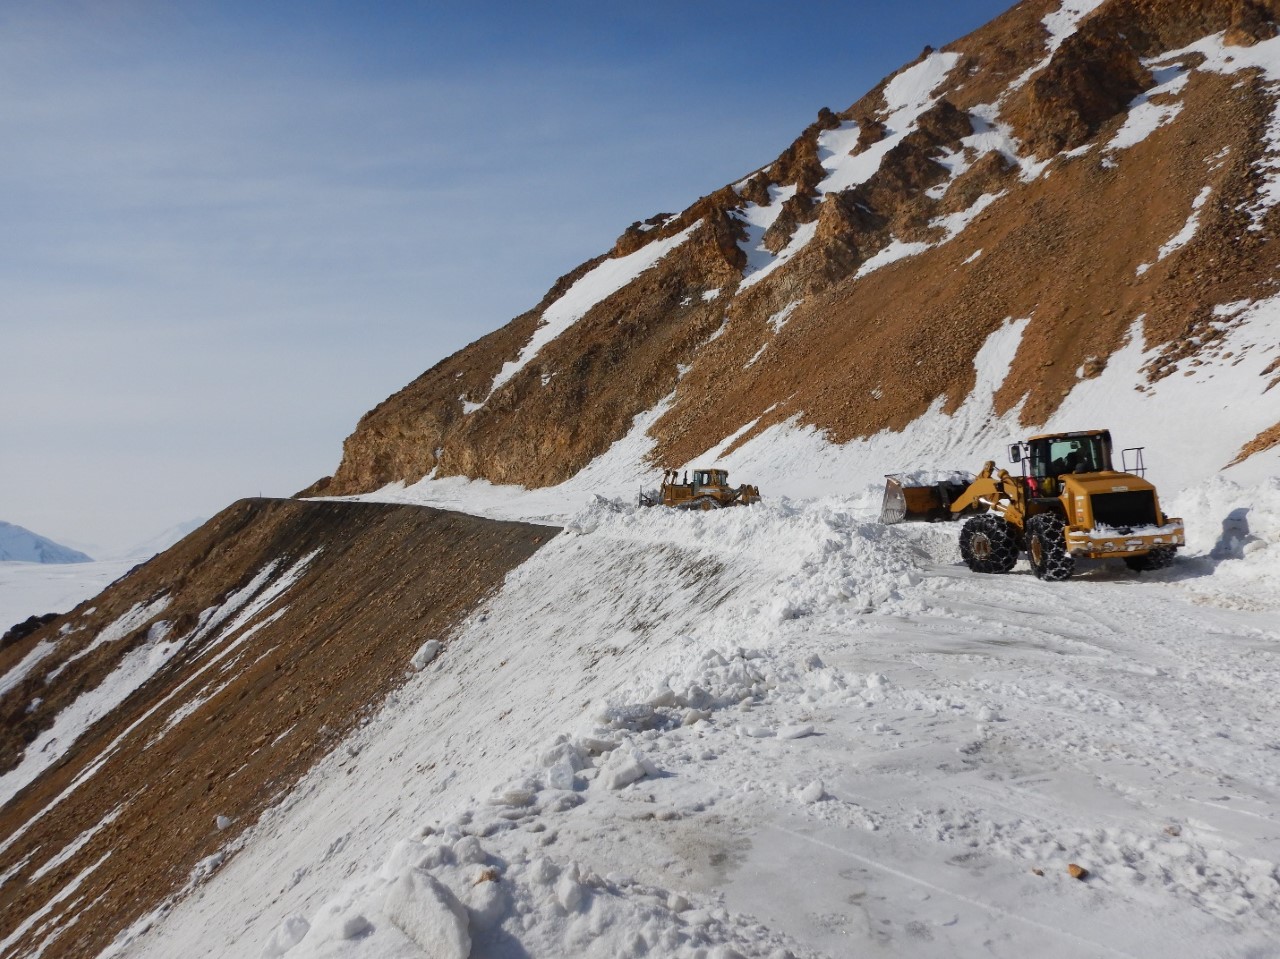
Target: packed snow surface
[33,589]
[788,729]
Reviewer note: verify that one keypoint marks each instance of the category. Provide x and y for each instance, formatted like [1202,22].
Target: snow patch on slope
[1145,117]
[1185,235]
[135,668]
[907,96]
[606,279]
[756,221]
[1223,59]
[1060,24]
[762,267]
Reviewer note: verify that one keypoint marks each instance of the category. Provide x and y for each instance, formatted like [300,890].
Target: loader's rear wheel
[1047,548]
[988,544]
[1159,558]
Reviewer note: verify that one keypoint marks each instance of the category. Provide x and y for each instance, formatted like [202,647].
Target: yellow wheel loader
[1068,503]
[709,489]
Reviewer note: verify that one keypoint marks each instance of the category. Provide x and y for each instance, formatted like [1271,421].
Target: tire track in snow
[988,907]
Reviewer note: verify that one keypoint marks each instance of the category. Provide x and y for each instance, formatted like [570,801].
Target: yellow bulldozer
[709,489]
[1068,503]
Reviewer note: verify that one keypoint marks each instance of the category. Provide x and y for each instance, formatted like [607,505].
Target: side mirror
[1015,453]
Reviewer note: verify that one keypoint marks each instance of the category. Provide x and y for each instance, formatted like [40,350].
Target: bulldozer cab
[710,478]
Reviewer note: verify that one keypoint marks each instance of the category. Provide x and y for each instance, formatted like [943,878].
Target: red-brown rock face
[868,225]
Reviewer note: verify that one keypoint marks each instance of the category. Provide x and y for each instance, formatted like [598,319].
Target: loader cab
[1048,457]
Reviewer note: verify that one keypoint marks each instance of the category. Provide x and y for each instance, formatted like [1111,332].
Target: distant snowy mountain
[160,542]
[23,546]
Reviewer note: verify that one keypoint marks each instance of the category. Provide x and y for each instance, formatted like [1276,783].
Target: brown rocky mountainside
[1091,167]
[253,647]
[1035,168]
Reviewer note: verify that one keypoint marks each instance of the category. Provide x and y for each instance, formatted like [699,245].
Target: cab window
[1055,456]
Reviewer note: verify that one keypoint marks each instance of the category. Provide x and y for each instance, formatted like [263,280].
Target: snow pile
[450,896]
[485,875]
[661,707]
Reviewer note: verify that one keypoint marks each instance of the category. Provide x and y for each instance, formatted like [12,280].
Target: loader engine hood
[1093,484]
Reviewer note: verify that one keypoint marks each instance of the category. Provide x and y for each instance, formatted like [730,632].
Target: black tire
[988,544]
[1159,558]
[1047,548]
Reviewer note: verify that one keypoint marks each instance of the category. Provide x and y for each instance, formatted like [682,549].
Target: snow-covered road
[1117,724]
[787,728]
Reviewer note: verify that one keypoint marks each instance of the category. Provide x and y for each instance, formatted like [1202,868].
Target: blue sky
[232,228]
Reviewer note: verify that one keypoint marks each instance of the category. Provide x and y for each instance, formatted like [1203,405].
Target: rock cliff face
[1090,165]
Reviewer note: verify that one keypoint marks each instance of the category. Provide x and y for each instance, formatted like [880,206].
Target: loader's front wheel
[1159,558]
[1047,548]
[988,544]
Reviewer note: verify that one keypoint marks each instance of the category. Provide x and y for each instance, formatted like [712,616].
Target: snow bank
[653,684]
[471,877]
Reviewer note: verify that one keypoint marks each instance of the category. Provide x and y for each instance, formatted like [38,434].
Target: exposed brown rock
[1250,24]
[387,579]
[864,354]
[1267,439]
[801,208]
[1092,77]
[799,163]
[639,234]
[870,132]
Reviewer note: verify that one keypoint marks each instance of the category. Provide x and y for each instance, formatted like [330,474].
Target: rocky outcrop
[1008,158]
[1092,78]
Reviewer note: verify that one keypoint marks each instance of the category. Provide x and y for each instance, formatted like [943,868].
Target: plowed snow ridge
[788,728]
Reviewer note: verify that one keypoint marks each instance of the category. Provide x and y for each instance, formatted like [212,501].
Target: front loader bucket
[923,496]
